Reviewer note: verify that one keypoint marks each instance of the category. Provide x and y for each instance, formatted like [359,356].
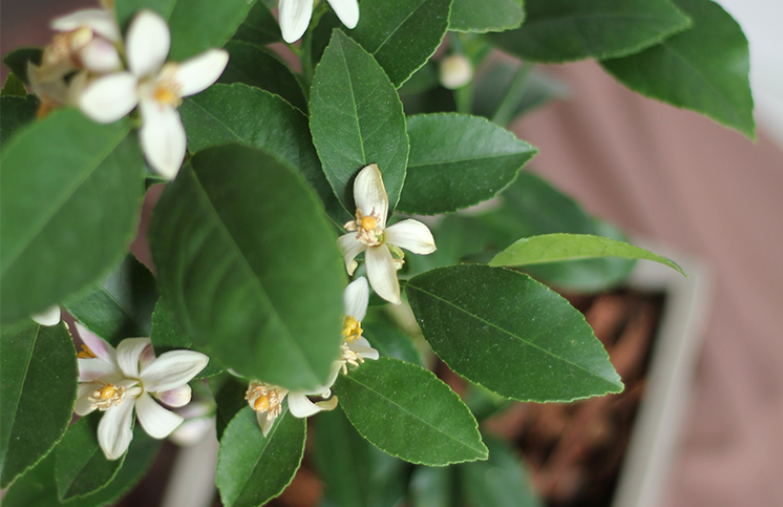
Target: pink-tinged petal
[100,55]
[301,406]
[83,405]
[147,43]
[369,194]
[49,317]
[364,349]
[177,397]
[98,347]
[163,139]
[200,72]
[382,273]
[355,298]
[99,21]
[350,247]
[264,423]
[128,355]
[347,11]
[172,369]
[157,421]
[411,235]
[114,430]
[96,368]
[109,98]
[294,18]
[147,356]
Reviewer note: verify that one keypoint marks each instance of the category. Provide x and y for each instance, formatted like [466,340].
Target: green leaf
[515,336]
[17,112]
[315,41]
[485,15]
[500,481]
[457,161]
[121,306]
[241,114]
[563,30]
[267,305]
[81,467]
[262,68]
[402,34]
[704,69]
[66,214]
[391,342]
[569,247]
[17,61]
[13,87]
[406,411]
[356,119]
[253,469]
[36,488]
[37,389]
[434,487]
[229,393]
[260,26]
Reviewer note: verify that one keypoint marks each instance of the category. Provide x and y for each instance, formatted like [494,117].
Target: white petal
[370,194]
[364,349]
[301,406]
[95,368]
[347,11]
[172,369]
[128,355]
[201,71]
[109,98]
[177,397]
[157,421]
[147,356]
[264,423]
[294,18]
[100,56]
[411,235]
[382,273]
[83,405]
[48,317]
[100,348]
[162,138]
[350,247]
[148,43]
[99,21]
[329,404]
[355,298]
[114,430]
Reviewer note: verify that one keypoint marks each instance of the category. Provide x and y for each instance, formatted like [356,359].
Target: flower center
[349,357]
[352,329]
[369,223]
[107,396]
[370,232]
[85,353]
[265,398]
[167,90]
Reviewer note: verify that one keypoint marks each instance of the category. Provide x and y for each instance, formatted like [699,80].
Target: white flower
[378,241]
[455,71]
[156,87]
[89,37]
[267,401]
[295,16]
[355,347]
[116,381]
[48,317]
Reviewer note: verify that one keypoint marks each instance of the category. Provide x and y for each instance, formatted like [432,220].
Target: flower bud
[455,71]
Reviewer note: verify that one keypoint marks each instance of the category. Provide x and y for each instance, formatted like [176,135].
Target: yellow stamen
[261,403]
[107,392]
[166,95]
[369,223]
[85,353]
[107,396]
[352,329]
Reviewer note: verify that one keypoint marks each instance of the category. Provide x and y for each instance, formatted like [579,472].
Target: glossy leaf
[121,306]
[563,30]
[457,161]
[262,68]
[485,15]
[37,389]
[66,214]
[17,112]
[406,411]
[515,336]
[260,26]
[704,69]
[402,34]
[569,247]
[356,119]
[17,61]
[81,468]
[13,86]
[267,305]
[391,342]
[252,468]
[229,393]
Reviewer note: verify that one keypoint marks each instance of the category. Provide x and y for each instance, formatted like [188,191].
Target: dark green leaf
[37,389]
[121,306]
[485,15]
[704,69]
[229,393]
[81,467]
[262,68]
[260,26]
[391,342]
[406,411]
[563,30]
[66,214]
[17,61]
[457,161]
[36,488]
[356,119]
[252,468]
[402,34]
[434,487]
[13,87]
[268,305]
[505,331]
[17,112]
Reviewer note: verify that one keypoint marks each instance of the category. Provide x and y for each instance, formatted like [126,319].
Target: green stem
[505,110]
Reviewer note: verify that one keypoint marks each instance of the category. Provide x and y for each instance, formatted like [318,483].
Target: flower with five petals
[295,16]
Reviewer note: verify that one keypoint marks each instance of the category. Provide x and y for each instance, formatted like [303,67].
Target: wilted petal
[109,98]
[162,138]
[301,406]
[294,18]
[48,317]
[98,347]
[347,11]
[411,235]
[96,368]
[382,273]
[350,247]
[200,72]
[128,355]
[177,397]
[363,348]
[370,194]
[147,43]
[157,421]
[83,405]
[172,369]
[99,21]
[329,404]
[114,430]
[100,55]
[355,298]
